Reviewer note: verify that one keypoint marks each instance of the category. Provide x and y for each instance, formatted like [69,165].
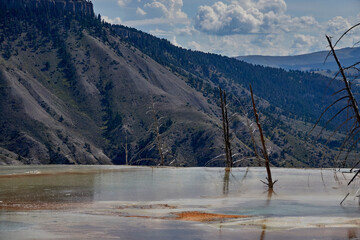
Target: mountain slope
[76,90]
[295,92]
[306,62]
[68,96]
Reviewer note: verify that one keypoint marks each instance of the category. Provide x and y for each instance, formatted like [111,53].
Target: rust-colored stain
[180,216]
[193,216]
[205,217]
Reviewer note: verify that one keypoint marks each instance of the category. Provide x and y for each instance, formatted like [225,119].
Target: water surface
[100,202]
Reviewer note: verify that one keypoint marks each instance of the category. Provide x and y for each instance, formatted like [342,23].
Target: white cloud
[268,40]
[223,19]
[141,12]
[249,16]
[303,41]
[123,3]
[237,27]
[256,44]
[186,31]
[174,42]
[156,21]
[116,20]
[155,12]
[337,25]
[194,46]
[165,9]
[165,34]
[276,6]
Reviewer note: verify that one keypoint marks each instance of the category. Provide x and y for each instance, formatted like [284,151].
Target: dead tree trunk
[270,183]
[226,131]
[158,138]
[126,150]
[125,146]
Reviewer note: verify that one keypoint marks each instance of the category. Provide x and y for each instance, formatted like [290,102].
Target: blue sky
[238,27]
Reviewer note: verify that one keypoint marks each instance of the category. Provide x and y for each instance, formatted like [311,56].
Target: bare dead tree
[225,126]
[156,143]
[157,130]
[269,182]
[126,148]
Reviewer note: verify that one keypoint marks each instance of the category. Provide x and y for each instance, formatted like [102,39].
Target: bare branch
[357,173]
[332,118]
[354,166]
[346,140]
[353,145]
[346,32]
[344,198]
[322,114]
[338,91]
[338,127]
[352,66]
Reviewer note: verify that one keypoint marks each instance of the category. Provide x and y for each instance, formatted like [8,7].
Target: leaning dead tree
[347,97]
[225,127]
[351,106]
[352,103]
[346,94]
[269,182]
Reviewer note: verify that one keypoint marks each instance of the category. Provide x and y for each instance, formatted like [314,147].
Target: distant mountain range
[77,90]
[306,62]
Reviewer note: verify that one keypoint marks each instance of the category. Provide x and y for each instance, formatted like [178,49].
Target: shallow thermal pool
[113,202]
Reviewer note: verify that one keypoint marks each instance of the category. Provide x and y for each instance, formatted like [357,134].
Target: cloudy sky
[238,27]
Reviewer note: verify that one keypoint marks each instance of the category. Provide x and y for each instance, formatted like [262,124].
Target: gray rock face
[73,6]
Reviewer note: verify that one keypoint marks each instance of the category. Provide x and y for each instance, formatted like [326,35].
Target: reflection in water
[269,196]
[344,176]
[352,234]
[245,175]
[322,178]
[262,236]
[226,182]
[336,178]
